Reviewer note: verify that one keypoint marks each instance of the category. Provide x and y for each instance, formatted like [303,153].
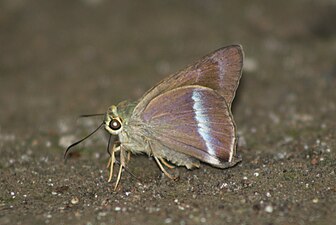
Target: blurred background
[61,59]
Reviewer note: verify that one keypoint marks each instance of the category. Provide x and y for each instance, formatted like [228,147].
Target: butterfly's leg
[112,160]
[118,178]
[116,149]
[170,166]
[122,164]
[160,165]
[163,169]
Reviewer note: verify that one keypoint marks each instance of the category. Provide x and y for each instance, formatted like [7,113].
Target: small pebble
[223,185]
[269,209]
[102,214]
[168,220]
[180,207]
[48,144]
[74,200]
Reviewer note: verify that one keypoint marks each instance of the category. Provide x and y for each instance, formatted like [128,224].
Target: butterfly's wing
[220,70]
[195,121]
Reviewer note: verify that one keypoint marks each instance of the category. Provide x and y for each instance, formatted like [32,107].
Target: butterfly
[183,120]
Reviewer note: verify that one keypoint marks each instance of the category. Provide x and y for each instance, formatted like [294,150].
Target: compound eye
[115,124]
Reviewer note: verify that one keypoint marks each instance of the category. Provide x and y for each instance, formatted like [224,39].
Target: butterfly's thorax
[133,135]
[133,138]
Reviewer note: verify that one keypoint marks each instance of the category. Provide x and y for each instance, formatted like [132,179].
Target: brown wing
[195,121]
[220,71]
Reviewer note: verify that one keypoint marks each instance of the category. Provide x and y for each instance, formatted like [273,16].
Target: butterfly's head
[113,122]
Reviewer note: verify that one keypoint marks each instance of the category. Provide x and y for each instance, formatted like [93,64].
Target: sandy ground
[61,59]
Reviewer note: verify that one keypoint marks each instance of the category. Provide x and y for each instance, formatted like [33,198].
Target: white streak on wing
[221,66]
[201,119]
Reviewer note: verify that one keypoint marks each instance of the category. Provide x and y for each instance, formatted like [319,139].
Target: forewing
[195,121]
[220,70]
